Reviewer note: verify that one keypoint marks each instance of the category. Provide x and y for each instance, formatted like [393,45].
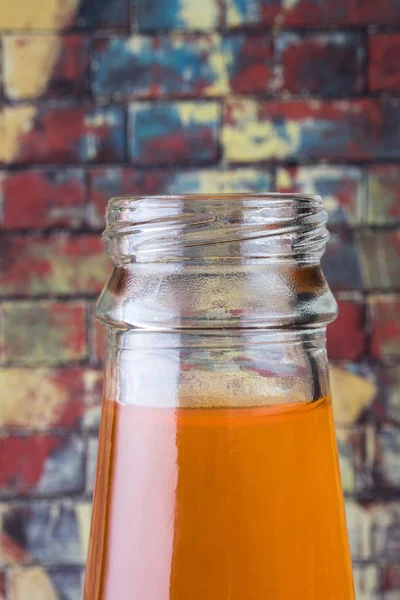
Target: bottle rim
[211,226]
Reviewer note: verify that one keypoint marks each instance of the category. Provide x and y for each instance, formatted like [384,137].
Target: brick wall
[109,97]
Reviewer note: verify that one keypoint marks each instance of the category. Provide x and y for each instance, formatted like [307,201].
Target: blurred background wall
[108,97]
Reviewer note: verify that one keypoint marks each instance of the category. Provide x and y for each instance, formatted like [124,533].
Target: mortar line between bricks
[321,161]
[252,28]
[266,97]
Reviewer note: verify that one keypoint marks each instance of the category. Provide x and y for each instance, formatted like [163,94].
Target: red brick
[71,133]
[43,199]
[385,311]
[71,72]
[346,335]
[60,264]
[28,464]
[44,332]
[3,590]
[384,194]
[328,64]
[384,68]
[313,13]
[249,62]
[40,399]
[172,133]
[390,578]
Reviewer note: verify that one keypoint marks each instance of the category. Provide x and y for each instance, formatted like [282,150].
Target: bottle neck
[217,368]
[241,262]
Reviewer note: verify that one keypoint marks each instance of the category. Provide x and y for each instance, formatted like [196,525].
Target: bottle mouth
[226,226]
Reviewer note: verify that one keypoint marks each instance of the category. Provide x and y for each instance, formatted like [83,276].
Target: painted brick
[326,64]
[343,189]
[103,14]
[63,62]
[45,531]
[59,264]
[341,264]
[178,14]
[384,194]
[355,130]
[175,132]
[42,399]
[390,581]
[380,253]
[91,464]
[54,15]
[388,458]
[361,441]
[41,464]
[32,582]
[346,460]
[385,338]
[177,65]
[346,335]
[72,134]
[44,332]
[385,530]
[366,581]
[384,69]
[359,530]
[315,13]
[249,61]
[68,582]
[354,389]
[106,183]
[41,199]
[387,404]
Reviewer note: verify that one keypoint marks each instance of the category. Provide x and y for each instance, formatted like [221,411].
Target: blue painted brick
[388,456]
[42,464]
[48,532]
[67,582]
[314,13]
[103,14]
[179,132]
[341,263]
[64,469]
[348,130]
[176,65]
[178,14]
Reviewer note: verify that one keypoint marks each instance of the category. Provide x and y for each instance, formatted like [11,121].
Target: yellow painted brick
[33,583]
[28,63]
[14,120]
[247,138]
[351,395]
[30,15]
[29,398]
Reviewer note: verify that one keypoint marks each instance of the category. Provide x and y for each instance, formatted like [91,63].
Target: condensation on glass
[217,474]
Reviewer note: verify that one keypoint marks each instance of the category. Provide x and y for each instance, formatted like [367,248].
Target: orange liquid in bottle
[219,504]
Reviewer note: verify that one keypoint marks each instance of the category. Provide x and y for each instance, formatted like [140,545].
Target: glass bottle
[217,475]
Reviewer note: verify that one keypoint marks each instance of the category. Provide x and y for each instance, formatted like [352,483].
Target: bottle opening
[226,226]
